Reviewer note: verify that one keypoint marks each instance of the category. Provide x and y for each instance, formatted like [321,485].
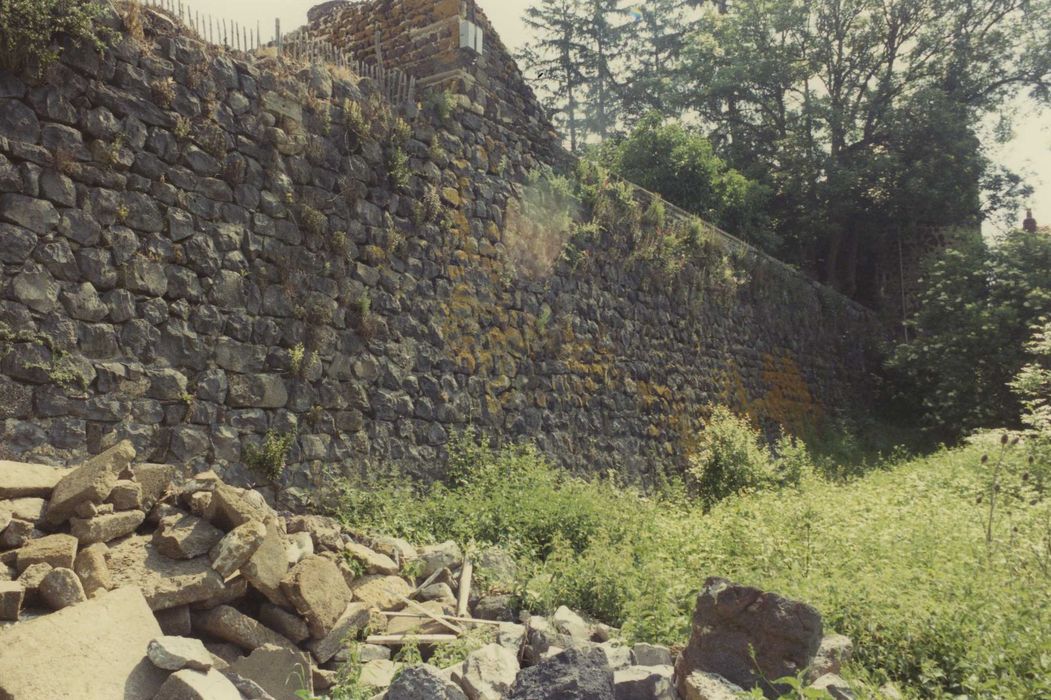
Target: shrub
[730,458]
[269,459]
[29,29]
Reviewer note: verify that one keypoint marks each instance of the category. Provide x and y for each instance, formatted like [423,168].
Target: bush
[30,28]
[681,165]
[730,458]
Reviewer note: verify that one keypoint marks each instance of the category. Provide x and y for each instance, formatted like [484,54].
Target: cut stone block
[381,592]
[19,479]
[352,621]
[374,562]
[378,673]
[176,653]
[31,509]
[284,622]
[92,481]
[166,583]
[268,565]
[154,480]
[186,537]
[280,671]
[11,596]
[645,683]
[236,548]
[175,622]
[126,495]
[56,550]
[103,528]
[72,654]
[233,626]
[231,507]
[195,685]
[317,590]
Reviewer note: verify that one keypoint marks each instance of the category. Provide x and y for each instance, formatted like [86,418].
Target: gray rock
[835,686]
[257,391]
[92,480]
[708,686]
[106,527]
[277,670]
[835,651]
[236,548]
[643,654]
[440,556]
[11,595]
[424,682]
[231,625]
[573,673]
[37,289]
[37,215]
[730,621]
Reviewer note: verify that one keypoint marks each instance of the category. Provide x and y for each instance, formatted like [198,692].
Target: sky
[1028,153]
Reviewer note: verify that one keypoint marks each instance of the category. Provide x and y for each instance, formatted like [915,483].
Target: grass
[896,559]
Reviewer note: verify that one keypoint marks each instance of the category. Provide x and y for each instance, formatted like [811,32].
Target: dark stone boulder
[730,622]
[574,674]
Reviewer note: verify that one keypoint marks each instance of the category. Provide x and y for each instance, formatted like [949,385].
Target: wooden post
[277,34]
[465,587]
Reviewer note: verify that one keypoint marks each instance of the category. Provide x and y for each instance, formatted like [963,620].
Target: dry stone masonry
[214,595]
[235,262]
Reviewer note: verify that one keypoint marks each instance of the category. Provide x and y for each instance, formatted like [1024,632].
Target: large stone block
[91,481]
[19,479]
[316,588]
[95,649]
[166,583]
[747,636]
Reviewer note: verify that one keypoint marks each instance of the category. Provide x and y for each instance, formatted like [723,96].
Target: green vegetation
[850,128]
[976,308]
[681,165]
[896,559]
[29,28]
[269,458]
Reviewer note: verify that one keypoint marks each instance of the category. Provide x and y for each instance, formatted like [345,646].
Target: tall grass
[897,559]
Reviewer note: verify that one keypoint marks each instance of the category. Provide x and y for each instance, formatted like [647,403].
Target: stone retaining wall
[199,248]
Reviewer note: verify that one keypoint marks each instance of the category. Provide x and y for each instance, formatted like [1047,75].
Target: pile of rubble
[126,580]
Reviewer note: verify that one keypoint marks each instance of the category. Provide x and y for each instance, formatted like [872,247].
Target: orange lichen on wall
[788,400]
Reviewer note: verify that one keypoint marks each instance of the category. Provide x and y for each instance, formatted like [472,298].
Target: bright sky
[1029,153]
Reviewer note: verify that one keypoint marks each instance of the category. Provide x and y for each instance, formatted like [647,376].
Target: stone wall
[200,247]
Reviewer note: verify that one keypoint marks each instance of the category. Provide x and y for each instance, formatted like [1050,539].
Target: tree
[555,60]
[657,33]
[852,111]
[605,33]
[681,166]
[976,308]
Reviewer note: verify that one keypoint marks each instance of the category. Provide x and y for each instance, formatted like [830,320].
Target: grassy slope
[897,560]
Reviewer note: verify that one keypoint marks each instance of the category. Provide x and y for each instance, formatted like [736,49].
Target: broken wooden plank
[451,618]
[398,639]
[413,604]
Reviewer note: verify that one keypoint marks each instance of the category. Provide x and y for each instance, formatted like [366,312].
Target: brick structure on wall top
[422,38]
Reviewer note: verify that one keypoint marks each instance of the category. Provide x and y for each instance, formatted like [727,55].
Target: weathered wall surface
[199,248]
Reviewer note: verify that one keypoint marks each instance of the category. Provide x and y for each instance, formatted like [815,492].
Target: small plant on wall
[269,458]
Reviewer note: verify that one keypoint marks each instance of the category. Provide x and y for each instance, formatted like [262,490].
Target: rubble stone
[317,590]
[195,685]
[176,653]
[103,528]
[61,588]
[277,670]
[56,550]
[19,479]
[186,537]
[231,625]
[235,549]
[92,480]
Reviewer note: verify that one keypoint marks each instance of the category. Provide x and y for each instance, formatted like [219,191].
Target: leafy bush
[29,29]
[730,458]
[975,310]
[681,165]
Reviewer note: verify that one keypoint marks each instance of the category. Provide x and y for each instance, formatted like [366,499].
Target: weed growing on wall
[269,458]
